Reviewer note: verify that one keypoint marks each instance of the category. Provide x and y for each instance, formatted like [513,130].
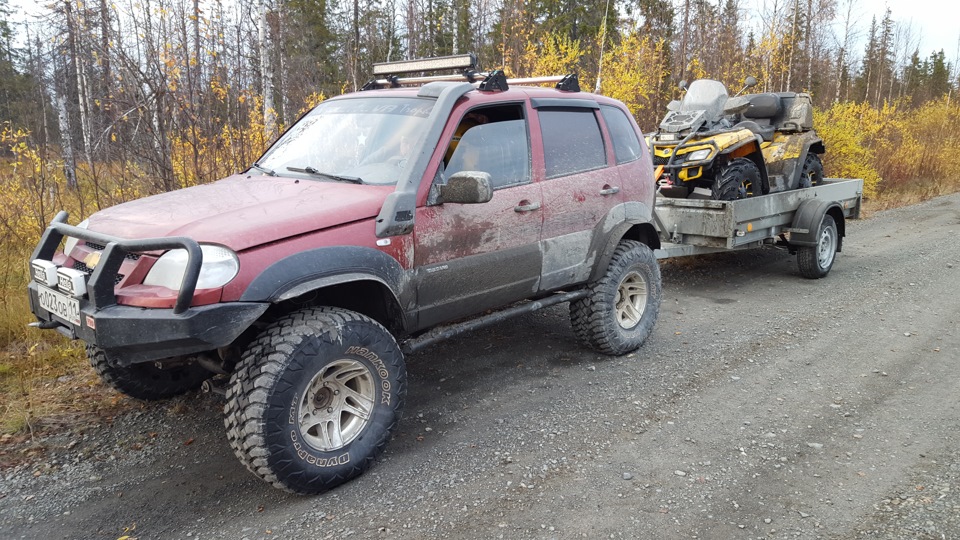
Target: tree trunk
[266,74]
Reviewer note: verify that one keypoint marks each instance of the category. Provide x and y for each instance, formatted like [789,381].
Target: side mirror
[750,82]
[682,86]
[673,105]
[467,187]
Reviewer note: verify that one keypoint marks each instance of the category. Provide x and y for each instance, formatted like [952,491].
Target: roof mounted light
[458,62]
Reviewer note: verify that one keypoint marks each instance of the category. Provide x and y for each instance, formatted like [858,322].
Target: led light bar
[44,272]
[72,282]
[455,62]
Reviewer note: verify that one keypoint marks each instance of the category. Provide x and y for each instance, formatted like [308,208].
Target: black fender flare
[313,269]
[637,226]
[806,222]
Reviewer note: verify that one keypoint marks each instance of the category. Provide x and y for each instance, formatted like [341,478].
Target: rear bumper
[131,335]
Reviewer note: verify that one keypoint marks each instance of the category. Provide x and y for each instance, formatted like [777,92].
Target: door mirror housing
[467,187]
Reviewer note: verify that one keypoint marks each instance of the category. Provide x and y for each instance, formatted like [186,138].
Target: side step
[441,333]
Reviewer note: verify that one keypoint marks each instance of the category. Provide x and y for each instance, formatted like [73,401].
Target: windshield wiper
[264,170]
[310,170]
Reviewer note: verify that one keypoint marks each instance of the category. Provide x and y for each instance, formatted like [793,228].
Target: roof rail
[466,65]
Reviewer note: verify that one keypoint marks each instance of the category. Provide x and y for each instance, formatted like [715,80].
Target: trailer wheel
[738,180]
[314,399]
[623,304]
[812,173]
[146,381]
[816,261]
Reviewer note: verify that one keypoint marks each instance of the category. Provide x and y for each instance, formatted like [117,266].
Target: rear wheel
[623,304]
[812,173]
[738,180]
[314,399]
[148,381]
[816,261]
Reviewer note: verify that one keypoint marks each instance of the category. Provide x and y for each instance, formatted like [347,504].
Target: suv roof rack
[466,66]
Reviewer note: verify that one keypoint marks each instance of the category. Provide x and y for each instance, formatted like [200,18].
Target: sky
[935,23]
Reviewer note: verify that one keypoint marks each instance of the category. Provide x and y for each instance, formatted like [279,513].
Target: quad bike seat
[765,132]
[797,114]
[760,115]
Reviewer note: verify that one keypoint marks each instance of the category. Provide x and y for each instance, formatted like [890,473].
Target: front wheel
[622,307]
[739,179]
[314,399]
[816,261]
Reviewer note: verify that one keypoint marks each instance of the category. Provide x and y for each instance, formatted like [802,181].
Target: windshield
[705,95]
[365,139]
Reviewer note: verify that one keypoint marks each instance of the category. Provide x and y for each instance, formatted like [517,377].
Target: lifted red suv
[371,224]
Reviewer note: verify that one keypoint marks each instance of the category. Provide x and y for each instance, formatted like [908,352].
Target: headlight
[71,241]
[699,155]
[220,265]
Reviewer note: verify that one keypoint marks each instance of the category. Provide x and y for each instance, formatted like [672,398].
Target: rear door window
[626,144]
[572,141]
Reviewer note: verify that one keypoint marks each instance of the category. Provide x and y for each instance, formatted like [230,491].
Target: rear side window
[626,144]
[572,141]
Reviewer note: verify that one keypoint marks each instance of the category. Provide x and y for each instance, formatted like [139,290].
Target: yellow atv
[711,146]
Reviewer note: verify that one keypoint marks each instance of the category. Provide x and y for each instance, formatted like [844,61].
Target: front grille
[100,247]
[78,265]
[657,160]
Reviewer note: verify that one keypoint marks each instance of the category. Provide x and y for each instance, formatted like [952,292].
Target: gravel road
[764,405]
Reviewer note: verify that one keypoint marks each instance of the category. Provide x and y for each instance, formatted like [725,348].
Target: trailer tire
[146,381]
[739,179]
[315,398]
[816,261]
[622,307]
[812,172]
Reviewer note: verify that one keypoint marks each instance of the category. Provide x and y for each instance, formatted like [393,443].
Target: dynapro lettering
[342,459]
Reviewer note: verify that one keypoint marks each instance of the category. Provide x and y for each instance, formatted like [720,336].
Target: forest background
[104,102]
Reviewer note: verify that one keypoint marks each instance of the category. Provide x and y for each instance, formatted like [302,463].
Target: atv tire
[738,180]
[816,261]
[622,307]
[314,399]
[146,381]
[812,172]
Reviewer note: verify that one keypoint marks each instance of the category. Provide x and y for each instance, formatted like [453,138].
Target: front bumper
[131,335]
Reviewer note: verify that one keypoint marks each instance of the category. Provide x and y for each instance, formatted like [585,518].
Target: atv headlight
[699,155]
[220,265]
[72,241]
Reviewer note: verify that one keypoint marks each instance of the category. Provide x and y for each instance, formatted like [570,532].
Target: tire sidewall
[640,259]
[288,446]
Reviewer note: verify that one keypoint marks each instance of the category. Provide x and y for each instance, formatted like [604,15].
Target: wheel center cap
[323,398]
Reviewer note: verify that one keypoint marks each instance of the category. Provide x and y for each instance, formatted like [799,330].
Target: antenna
[603,41]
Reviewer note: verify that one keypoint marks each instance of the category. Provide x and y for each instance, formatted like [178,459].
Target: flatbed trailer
[810,222]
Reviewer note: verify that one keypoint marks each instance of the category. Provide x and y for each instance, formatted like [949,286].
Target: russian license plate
[59,304]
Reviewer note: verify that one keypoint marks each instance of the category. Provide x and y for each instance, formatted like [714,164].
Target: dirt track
[764,405]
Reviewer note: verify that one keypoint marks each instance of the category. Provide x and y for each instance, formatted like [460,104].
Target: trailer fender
[806,222]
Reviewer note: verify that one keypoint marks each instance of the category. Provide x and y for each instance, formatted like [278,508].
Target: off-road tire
[598,318]
[739,179]
[812,172]
[276,390]
[816,261]
[146,381]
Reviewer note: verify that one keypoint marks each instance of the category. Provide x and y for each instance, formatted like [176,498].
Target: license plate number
[60,304]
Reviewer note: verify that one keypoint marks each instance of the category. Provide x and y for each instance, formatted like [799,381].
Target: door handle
[526,206]
[609,190]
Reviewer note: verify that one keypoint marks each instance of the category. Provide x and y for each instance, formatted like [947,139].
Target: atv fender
[789,161]
[806,222]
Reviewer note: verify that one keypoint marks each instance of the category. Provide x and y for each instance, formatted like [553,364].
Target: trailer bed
[697,226]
